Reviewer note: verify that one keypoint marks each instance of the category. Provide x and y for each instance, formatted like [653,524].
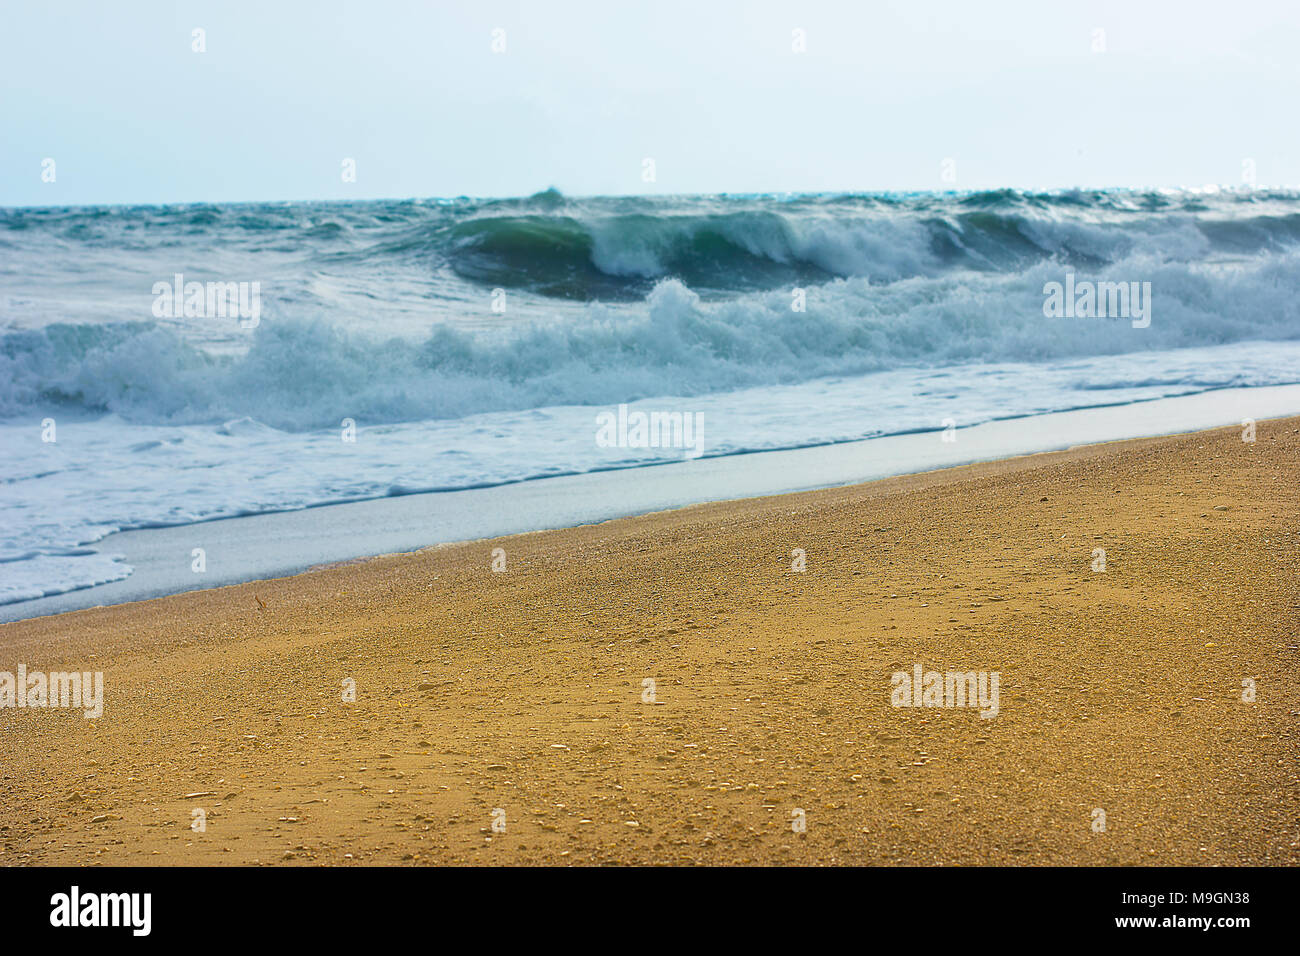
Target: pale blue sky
[587,89]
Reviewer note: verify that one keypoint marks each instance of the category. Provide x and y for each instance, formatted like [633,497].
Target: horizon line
[1207,188]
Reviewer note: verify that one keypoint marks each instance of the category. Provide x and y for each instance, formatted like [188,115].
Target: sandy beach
[505,717]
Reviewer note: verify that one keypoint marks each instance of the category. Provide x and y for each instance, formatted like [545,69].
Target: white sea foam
[110,474]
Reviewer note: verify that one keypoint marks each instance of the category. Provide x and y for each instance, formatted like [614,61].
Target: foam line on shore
[272,545]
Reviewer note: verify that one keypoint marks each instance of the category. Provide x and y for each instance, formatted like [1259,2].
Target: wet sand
[520,696]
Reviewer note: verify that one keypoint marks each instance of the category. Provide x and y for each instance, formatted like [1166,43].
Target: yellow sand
[1120,691]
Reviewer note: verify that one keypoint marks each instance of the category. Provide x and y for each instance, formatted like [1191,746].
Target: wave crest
[307,373]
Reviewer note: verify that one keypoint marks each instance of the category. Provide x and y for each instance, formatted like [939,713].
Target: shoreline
[525,691]
[274,544]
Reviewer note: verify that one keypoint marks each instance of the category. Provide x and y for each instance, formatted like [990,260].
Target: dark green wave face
[621,257]
[550,256]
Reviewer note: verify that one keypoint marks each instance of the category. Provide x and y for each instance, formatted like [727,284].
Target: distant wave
[617,248]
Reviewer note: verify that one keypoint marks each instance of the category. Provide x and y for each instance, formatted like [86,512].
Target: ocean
[409,346]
